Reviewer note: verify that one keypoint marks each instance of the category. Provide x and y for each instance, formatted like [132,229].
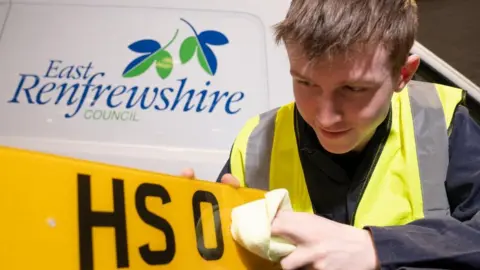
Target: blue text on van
[73,84]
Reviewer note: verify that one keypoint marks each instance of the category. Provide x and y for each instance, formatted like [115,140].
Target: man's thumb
[230,180]
[188,173]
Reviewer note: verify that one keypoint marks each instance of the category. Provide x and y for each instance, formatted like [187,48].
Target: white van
[148,84]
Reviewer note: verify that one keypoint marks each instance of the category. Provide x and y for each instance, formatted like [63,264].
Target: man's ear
[407,71]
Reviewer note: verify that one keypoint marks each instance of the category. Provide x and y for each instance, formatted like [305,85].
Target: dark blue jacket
[334,183]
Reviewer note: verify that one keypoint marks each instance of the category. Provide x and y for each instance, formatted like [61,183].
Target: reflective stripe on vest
[260,142]
[432,147]
[252,160]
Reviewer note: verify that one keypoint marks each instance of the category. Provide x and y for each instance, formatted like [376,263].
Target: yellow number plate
[59,213]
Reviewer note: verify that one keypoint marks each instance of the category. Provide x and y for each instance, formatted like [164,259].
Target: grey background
[451,29]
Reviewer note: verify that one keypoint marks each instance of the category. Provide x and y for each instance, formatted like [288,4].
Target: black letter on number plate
[87,219]
[209,254]
[149,256]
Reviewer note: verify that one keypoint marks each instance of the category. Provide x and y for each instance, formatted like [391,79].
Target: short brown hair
[324,28]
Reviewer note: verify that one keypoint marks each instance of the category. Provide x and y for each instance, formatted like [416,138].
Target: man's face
[343,101]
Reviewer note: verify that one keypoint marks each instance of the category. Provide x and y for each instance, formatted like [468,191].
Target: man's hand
[226,178]
[324,244]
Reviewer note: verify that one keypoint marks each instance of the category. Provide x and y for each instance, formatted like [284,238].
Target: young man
[383,172]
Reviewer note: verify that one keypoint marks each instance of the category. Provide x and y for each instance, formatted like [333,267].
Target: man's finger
[293,226]
[230,180]
[300,257]
[188,173]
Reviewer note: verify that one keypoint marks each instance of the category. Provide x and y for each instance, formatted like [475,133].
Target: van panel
[3,12]
[99,82]
[68,86]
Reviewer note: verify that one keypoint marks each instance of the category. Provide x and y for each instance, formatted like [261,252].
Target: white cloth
[251,225]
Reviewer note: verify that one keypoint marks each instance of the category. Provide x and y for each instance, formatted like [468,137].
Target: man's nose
[328,113]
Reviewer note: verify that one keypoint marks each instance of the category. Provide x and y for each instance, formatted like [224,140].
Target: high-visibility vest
[407,182]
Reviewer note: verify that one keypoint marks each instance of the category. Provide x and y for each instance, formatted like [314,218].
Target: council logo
[152,53]
[83,88]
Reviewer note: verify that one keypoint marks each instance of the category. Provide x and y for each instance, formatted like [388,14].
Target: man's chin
[337,149]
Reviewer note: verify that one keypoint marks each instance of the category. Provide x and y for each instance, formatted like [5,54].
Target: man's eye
[306,83]
[354,89]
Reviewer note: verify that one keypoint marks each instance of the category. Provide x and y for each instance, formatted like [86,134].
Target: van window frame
[427,73]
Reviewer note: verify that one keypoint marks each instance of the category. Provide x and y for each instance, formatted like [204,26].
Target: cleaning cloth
[251,225]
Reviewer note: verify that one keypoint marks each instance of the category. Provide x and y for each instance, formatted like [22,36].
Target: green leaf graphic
[187,49]
[164,63]
[203,61]
[141,68]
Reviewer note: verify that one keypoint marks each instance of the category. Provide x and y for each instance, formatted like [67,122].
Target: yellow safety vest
[406,182]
